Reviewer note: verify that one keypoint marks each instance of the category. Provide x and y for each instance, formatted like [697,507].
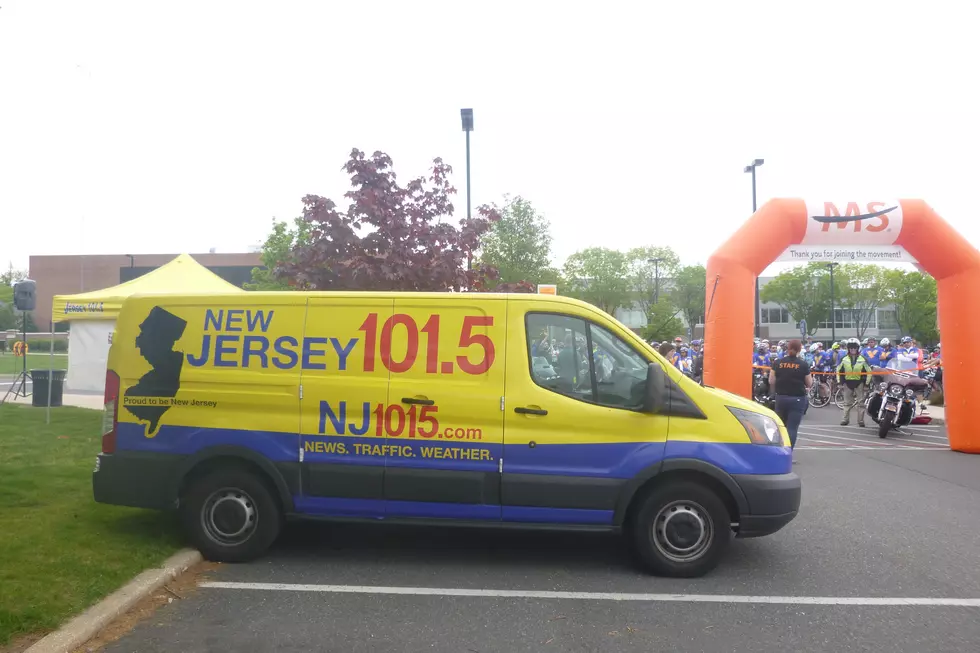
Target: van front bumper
[135,479]
[774,500]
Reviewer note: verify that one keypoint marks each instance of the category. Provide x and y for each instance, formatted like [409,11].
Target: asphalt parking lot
[882,523]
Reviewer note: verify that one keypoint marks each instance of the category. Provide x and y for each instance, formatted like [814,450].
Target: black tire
[698,505]
[884,425]
[242,500]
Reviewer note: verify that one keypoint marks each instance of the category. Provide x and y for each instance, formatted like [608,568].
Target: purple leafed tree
[390,237]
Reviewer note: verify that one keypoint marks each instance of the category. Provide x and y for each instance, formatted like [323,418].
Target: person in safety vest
[872,353]
[853,374]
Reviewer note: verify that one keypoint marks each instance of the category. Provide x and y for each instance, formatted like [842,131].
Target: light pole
[751,168]
[131,260]
[656,278]
[467,116]
[833,318]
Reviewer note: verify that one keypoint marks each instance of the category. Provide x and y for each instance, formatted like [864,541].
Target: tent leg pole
[47,411]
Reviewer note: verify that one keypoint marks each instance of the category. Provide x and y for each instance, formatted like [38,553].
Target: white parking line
[881,442]
[858,428]
[597,596]
[868,443]
[849,448]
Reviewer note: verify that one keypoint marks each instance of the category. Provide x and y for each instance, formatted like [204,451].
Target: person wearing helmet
[697,361]
[837,354]
[761,356]
[919,354]
[823,360]
[853,373]
[810,354]
[872,352]
[887,351]
[905,358]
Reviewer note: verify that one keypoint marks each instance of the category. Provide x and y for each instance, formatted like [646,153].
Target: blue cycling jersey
[873,356]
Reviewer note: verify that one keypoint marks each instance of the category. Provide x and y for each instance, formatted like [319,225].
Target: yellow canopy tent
[93,315]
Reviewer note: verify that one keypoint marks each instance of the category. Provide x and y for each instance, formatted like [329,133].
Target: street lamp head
[758,162]
[749,168]
[467,116]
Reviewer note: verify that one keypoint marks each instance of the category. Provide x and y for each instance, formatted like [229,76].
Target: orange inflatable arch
[911,224]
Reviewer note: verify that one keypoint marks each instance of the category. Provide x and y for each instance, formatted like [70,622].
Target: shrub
[43,345]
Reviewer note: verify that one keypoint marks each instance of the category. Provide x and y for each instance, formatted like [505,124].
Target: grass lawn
[11,365]
[59,550]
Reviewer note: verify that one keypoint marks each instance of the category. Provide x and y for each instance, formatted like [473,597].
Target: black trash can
[40,391]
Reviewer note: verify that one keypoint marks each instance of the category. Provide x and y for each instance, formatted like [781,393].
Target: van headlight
[760,428]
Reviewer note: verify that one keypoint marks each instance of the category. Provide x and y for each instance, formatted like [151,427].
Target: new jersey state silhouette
[159,332]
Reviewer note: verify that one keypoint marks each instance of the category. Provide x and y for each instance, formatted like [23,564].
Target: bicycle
[821,392]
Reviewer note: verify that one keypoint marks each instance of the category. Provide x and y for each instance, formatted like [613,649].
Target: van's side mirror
[655,397]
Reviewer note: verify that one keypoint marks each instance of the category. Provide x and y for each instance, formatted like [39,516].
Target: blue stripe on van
[735,458]
[626,459]
[190,439]
[338,507]
[533,515]
[612,460]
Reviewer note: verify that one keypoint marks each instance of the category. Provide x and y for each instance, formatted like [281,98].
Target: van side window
[557,347]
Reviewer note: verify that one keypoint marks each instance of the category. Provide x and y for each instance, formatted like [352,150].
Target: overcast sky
[132,127]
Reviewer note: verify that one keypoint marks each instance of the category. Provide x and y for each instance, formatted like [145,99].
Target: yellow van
[242,410]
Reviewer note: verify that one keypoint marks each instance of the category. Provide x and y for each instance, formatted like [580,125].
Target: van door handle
[530,411]
[418,402]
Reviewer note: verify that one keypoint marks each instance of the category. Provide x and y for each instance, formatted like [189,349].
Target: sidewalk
[937,413]
[80,401]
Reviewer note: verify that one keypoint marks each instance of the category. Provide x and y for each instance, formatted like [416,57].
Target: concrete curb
[87,625]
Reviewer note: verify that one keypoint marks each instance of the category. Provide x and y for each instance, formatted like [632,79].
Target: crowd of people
[688,358]
[788,368]
[908,356]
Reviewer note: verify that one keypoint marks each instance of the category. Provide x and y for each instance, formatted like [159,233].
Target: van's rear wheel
[681,530]
[230,515]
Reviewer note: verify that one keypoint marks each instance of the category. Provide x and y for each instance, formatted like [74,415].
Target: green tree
[914,297]
[687,293]
[599,275]
[276,251]
[9,318]
[804,291]
[519,245]
[860,288]
[663,322]
[650,270]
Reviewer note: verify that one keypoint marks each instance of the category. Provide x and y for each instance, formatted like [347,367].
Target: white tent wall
[88,353]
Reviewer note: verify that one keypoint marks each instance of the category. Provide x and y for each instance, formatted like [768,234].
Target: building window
[845,318]
[773,316]
[887,319]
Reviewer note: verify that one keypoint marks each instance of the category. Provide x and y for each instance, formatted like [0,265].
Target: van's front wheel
[230,516]
[681,530]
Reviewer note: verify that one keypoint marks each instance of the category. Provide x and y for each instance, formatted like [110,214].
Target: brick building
[67,275]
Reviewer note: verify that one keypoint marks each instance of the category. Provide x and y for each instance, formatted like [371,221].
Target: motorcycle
[893,403]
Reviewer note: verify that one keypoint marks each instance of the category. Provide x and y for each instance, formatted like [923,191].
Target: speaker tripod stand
[19,387]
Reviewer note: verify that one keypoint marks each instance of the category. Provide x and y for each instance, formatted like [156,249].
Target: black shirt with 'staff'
[790,372]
